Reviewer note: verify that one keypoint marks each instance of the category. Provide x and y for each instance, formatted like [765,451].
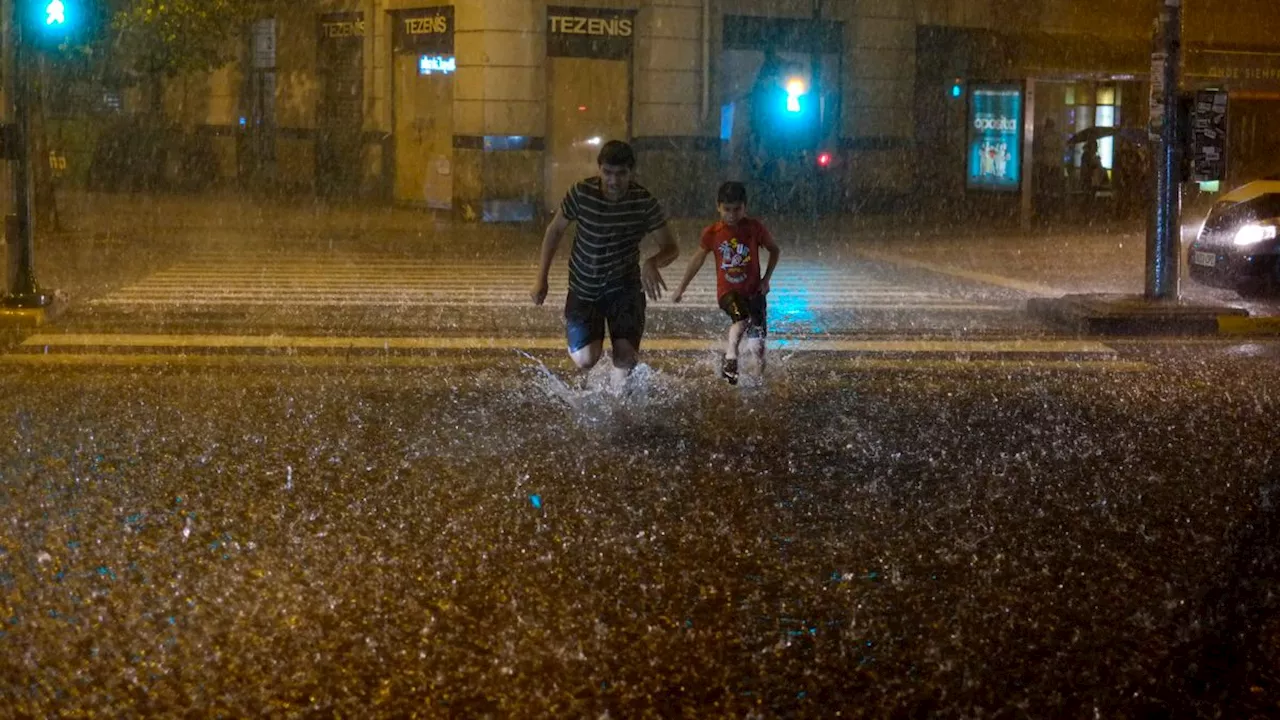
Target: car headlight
[1254,234]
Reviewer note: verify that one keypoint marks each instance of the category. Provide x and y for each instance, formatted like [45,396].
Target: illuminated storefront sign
[425,31]
[430,64]
[335,26]
[994,149]
[590,32]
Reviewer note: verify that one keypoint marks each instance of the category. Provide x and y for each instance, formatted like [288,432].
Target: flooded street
[402,359]
[491,536]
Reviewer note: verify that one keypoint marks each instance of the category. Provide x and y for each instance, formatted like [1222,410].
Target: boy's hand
[652,279]
[679,293]
[764,286]
[539,291]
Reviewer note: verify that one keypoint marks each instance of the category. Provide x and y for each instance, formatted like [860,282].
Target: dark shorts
[622,311]
[751,308]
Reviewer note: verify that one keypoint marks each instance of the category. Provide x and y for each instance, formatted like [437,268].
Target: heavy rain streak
[751,359]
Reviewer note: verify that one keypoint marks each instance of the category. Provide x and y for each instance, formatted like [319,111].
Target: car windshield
[1234,215]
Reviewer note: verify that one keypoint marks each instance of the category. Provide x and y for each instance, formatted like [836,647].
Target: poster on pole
[1155,103]
[1209,136]
[994,147]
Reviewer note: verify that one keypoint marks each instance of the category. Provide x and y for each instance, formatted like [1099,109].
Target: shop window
[262,80]
[1105,116]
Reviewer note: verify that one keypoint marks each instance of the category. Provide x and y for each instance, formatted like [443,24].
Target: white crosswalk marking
[308,279]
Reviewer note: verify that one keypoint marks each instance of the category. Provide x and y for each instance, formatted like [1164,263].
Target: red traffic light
[824,159]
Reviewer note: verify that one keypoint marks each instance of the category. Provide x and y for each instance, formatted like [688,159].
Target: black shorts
[751,308]
[623,311]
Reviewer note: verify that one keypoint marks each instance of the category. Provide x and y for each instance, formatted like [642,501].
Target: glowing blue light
[955,90]
[428,64]
[795,88]
[56,13]
[794,307]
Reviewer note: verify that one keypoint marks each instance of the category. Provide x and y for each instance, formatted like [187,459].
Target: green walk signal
[51,24]
[55,13]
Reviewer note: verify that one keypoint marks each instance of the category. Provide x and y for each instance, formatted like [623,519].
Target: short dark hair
[616,152]
[732,192]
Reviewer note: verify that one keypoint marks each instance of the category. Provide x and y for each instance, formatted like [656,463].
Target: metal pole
[1026,209]
[816,86]
[1164,232]
[26,291]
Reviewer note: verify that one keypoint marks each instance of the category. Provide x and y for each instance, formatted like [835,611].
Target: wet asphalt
[494,536]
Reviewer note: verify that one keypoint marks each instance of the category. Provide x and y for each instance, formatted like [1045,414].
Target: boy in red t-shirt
[736,240]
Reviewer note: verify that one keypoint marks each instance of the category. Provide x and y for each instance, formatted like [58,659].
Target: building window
[260,118]
[264,44]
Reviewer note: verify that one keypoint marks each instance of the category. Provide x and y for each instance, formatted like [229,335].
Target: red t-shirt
[737,253]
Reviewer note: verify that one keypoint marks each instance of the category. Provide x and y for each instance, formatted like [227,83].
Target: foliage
[172,37]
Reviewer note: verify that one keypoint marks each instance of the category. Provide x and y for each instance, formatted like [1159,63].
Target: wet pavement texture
[496,537]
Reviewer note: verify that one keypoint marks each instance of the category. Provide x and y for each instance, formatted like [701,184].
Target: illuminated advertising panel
[994,149]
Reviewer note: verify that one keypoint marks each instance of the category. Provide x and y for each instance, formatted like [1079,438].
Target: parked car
[1238,246]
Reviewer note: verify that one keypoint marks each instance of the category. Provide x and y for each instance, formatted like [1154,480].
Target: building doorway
[339,109]
[588,92]
[424,68]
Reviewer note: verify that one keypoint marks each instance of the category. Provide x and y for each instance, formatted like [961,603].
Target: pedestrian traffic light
[49,24]
[785,112]
[795,89]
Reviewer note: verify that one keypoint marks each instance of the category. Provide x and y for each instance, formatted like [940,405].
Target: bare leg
[588,355]
[735,337]
[624,357]
[756,347]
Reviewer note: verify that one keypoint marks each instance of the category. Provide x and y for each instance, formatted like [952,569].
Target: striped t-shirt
[606,244]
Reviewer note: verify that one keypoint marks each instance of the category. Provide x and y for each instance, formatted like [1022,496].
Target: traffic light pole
[1164,229]
[815,87]
[26,292]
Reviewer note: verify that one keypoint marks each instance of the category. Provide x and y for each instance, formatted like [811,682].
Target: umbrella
[1133,135]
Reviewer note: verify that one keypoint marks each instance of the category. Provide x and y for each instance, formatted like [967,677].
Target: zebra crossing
[301,279]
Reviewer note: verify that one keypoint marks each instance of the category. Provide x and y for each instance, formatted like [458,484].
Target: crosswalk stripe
[304,279]
[81,340]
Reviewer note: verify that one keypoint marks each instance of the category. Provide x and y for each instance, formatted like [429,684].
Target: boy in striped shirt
[607,282]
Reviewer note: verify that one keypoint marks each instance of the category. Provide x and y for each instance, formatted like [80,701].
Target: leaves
[172,37]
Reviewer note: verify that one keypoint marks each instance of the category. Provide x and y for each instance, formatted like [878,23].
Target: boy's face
[732,213]
[615,179]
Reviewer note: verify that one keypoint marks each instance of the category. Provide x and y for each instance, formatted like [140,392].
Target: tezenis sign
[590,32]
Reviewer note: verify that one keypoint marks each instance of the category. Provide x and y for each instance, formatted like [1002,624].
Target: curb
[1135,315]
[31,317]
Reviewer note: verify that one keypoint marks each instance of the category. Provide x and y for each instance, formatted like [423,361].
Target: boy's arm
[668,250]
[550,241]
[769,244]
[667,253]
[695,264]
